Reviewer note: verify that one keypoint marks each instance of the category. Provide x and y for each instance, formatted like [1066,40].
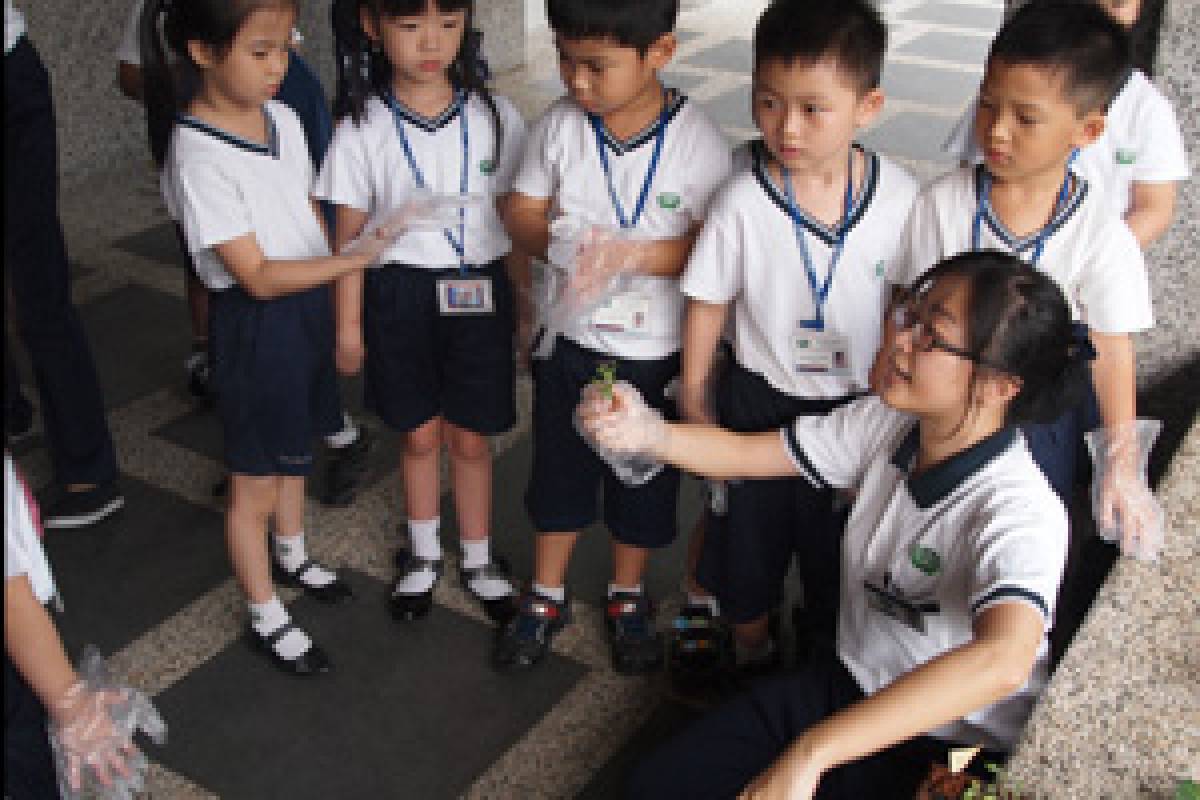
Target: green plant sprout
[606,376]
[1187,790]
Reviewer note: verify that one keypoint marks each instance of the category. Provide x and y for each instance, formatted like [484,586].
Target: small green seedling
[1187,790]
[606,376]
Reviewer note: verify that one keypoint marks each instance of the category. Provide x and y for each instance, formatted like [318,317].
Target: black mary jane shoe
[498,609]
[406,607]
[312,661]
[333,593]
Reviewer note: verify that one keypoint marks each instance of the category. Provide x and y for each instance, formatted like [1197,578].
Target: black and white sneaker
[66,509]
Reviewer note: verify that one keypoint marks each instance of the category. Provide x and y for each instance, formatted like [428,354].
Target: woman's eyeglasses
[925,337]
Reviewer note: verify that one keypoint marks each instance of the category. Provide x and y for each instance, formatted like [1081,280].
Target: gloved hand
[595,258]
[91,734]
[422,211]
[622,422]
[1125,509]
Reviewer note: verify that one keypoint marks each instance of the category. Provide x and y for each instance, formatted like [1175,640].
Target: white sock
[291,553]
[614,589]
[558,594]
[347,436]
[704,601]
[476,554]
[423,538]
[268,617]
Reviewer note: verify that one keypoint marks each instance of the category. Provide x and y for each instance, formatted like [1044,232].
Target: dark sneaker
[412,606]
[492,587]
[523,642]
[198,373]
[699,652]
[345,469]
[636,648]
[63,509]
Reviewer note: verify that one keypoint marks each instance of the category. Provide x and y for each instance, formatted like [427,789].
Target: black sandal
[499,609]
[335,592]
[411,607]
[312,661]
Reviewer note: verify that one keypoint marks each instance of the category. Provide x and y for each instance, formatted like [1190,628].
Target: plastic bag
[91,734]
[1125,509]
[424,211]
[615,413]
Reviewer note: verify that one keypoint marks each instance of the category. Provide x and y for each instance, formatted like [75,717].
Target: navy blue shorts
[422,364]
[567,474]
[717,756]
[747,551]
[273,378]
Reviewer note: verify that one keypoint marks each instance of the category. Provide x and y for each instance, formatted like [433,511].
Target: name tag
[891,604]
[820,352]
[465,296]
[628,312]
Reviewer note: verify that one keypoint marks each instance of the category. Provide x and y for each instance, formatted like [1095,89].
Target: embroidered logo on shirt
[879,270]
[669,201]
[1126,157]
[926,560]
[487,166]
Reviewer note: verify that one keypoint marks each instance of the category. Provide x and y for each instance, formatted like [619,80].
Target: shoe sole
[83,520]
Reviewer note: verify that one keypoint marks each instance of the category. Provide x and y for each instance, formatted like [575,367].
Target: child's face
[251,71]
[809,112]
[420,47]
[1125,12]
[604,77]
[1026,125]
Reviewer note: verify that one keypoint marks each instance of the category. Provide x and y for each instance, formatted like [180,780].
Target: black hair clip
[1081,348]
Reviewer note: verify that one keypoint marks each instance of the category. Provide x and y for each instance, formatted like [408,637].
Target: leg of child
[629,564]
[420,465]
[289,546]
[252,501]
[552,555]
[471,476]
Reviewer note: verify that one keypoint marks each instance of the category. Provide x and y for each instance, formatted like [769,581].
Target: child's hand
[619,420]
[602,258]
[1125,509]
[349,351]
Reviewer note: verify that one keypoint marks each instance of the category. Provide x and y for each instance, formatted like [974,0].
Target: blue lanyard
[820,290]
[459,244]
[1039,241]
[598,126]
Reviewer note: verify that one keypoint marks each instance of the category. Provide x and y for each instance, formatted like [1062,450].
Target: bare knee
[424,441]
[253,498]
[467,445]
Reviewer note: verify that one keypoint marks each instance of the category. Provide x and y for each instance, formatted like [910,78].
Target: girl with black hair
[952,555]
[237,176]
[434,328]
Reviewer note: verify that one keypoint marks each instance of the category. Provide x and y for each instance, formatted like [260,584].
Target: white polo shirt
[23,553]
[220,187]
[366,169]
[1089,251]
[748,255]
[979,529]
[562,162]
[1141,143]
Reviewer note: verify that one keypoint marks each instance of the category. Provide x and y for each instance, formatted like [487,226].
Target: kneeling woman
[951,559]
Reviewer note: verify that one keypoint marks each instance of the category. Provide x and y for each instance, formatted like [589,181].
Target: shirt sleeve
[715,268]
[833,451]
[345,177]
[1113,292]
[536,177]
[130,51]
[1162,157]
[211,206]
[921,243]
[1019,552]
[713,164]
[23,553]
[515,134]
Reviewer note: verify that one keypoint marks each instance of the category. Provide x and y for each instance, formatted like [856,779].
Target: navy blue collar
[829,236]
[271,148]
[1079,190]
[428,124]
[936,483]
[620,147]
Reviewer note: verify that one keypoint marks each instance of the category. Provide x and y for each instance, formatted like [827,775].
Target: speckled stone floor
[414,711]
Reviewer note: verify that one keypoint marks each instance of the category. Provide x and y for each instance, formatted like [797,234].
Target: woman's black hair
[213,22]
[1019,324]
[363,69]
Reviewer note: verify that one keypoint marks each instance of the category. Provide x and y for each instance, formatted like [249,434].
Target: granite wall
[99,128]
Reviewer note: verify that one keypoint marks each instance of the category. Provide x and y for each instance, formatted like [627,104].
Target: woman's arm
[993,665]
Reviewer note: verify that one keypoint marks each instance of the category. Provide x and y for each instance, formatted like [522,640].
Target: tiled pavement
[412,711]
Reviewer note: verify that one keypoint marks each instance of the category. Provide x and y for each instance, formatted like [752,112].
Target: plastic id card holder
[465,296]
[625,313]
[818,352]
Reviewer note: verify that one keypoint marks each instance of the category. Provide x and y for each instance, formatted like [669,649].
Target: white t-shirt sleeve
[513,147]
[1162,156]
[1113,292]
[130,51]
[345,177]
[211,206]
[1019,551]
[833,451]
[714,270]
[921,244]
[711,167]
[536,176]
[23,553]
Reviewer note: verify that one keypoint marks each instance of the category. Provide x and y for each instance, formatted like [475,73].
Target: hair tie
[1080,348]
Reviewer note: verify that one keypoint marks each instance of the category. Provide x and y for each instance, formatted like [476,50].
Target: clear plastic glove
[423,211]
[620,422]
[1125,509]
[594,258]
[91,734]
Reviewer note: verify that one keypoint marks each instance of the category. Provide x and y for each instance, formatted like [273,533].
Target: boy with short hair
[795,248]
[1050,74]
[620,150]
